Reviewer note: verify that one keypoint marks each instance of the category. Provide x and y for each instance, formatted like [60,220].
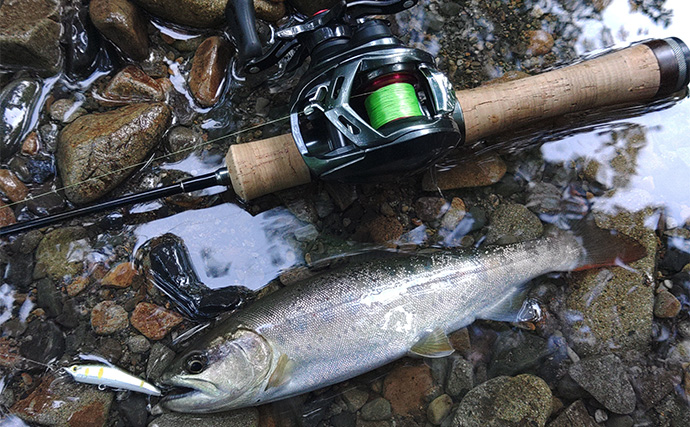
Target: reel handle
[242,19]
[635,74]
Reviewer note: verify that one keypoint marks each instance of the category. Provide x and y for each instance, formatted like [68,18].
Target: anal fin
[434,344]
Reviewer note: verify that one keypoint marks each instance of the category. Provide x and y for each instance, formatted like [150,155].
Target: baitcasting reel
[367,105]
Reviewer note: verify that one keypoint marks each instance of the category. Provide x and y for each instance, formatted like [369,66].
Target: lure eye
[196,363]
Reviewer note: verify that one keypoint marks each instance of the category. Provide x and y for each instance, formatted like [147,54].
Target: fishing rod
[369,106]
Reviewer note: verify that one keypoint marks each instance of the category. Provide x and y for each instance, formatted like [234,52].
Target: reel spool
[393,97]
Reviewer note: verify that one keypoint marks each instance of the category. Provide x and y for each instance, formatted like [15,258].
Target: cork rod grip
[264,166]
[629,75]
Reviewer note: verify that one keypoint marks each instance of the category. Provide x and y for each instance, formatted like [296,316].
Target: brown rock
[209,70]
[13,188]
[666,305]
[575,415]
[9,355]
[407,388]
[195,13]
[6,215]
[460,341]
[430,208]
[270,11]
[477,172]
[123,24]
[384,229]
[77,285]
[130,85]
[539,42]
[454,215]
[31,145]
[98,151]
[108,317]
[153,321]
[121,276]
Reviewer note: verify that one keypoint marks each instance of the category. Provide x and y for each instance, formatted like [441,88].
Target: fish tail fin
[602,247]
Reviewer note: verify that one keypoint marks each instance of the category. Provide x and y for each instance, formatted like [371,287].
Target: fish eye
[196,363]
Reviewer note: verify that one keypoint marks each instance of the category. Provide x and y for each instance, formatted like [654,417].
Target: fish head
[219,373]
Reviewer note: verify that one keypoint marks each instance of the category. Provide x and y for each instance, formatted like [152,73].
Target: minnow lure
[111,376]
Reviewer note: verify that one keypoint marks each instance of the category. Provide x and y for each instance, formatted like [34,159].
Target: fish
[349,321]
[110,376]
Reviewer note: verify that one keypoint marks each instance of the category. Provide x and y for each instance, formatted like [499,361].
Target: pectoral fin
[514,307]
[281,374]
[434,344]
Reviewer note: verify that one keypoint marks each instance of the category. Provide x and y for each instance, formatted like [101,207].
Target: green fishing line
[392,102]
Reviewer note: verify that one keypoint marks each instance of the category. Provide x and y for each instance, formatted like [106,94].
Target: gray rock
[355,398]
[133,409]
[69,318]
[518,353]
[342,194]
[605,379]
[30,35]
[123,24]
[673,411]
[18,271]
[159,359]
[65,110]
[439,409]
[98,151]
[505,401]
[344,419]
[138,344]
[49,134]
[308,233]
[181,141]
[575,415]
[378,409]
[20,97]
[61,253]
[48,297]
[512,223]
[620,421]
[248,417]
[43,341]
[460,379]
[652,384]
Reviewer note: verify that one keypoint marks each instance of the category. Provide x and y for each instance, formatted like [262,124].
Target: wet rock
[195,13]
[131,85]
[209,70]
[6,215]
[343,419]
[544,198]
[121,276]
[13,188]
[377,410]
[45,200]
[539,42]
[108,317]
[454,215]
[468,173]
[66,110]
[64,403]
[61,253]
[122,23]
[19,96]
[49,134]
[181,142]
[18,271]
[30,35]
[678,253]
[159,359]
[153,321]
[439,409]
[76,286]
[460,340]
[407,387]
[342,194]
[605,379]
[308,233]
[31,144]
[652,384]
[512,223]
[42,341]
[94,146]
[460,378]
[506,401]
[82,42]
[384,229]
[48,297]
[611,310]
[247,417]
[430,209]
[575,415]
[69,318]
[133,409]
[518,353]
[673,411]
[269,10]
[666,305]
[138,344]
[355,398]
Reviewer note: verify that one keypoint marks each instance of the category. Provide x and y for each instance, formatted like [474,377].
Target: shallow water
[631,164]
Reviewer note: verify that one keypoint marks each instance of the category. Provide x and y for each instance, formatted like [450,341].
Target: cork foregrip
[262,167]
[629,75]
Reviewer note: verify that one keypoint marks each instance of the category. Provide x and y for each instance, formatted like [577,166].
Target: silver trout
[345,322]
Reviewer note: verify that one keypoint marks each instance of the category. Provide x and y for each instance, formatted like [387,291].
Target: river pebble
[512,223]
[133,409]
[666,305]
[107,317]
[82,41]
[153,321]
[121,276]
[61,253]
[355,398]
[66,110]
[42,341]
[378,409]
[30,35]
[468,173]
[6,215]
[48,297]
[384,229]
[14,189]
[181,141]
[98,151]
[454,215]
[130,85]
[605,379]
[269,10]
[64,403]
[209,70]
[18,271]
[460,378]
[653,383]
[31,144]
[430,209]
[407,388]
[539,42]
[159,359]
[517,353]
[439,409]
[521,400]
[575,415]
[138,344]
[122,23]
[195,13]
[19,96]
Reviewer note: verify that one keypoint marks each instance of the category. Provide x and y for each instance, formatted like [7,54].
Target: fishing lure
[111,376]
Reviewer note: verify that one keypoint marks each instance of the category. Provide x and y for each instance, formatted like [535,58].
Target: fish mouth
[179,387]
